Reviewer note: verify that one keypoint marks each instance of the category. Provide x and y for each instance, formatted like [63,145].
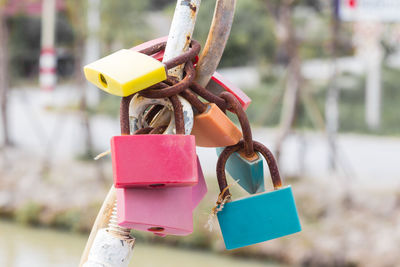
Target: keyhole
[156,229]
[103,80]
[156,185]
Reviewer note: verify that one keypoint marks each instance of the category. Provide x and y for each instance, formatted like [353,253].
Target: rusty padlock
[258,217]
[127,71]
[245,165]
[134,156]
[212,128]
[161,210]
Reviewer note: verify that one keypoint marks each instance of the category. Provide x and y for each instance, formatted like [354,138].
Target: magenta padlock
[162,211]
[158,210]
[155,160]
[219,84]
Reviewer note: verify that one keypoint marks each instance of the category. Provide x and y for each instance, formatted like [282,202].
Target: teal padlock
[259,217]
[245,165]
[249,172]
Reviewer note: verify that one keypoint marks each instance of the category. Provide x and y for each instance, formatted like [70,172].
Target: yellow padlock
[125,72]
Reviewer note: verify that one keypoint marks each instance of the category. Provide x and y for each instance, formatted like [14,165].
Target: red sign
[352,3]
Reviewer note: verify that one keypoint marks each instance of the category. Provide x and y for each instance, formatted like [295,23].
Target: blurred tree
[24,46]
[4,72]
[250,40]
[159,4]
[288,43]
[123,23]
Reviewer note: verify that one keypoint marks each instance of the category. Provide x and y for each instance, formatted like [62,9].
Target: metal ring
[139,104]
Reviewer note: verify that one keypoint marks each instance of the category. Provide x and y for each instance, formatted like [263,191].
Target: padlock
[248,172]
[125,72]
[219,84]
[259,217]
[211,127]
[162,210]
[158,210]
[154,160]
[245,166]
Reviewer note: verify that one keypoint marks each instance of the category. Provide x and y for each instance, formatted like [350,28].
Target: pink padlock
[219,84]
[154,160]
[161,211]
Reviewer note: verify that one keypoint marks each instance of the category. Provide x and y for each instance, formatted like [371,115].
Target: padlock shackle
[139,118]
[187,56]
[178,113]
[162,90]
[207,95]
[228,151]
[234,104]
[151,50]
[124,114]
[194,100]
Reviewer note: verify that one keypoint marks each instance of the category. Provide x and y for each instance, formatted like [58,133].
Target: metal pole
[180,33]
[4,79]
[48,62]
[92,47]
[216,40]
[332,97]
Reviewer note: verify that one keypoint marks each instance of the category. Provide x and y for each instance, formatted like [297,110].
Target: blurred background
[324,77]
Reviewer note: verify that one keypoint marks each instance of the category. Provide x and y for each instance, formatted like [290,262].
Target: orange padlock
[212,128]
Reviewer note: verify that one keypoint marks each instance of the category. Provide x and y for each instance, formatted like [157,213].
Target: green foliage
[69,220]
[24,44]
[252,39]
[352,107]
[28,213]
[76,12]
[109,105]
[267,103]
[123,21]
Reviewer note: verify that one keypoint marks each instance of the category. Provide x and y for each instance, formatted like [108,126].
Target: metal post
[48,62]
[216,40]
[332,97]
[4,79]
[180,33]
[92,47]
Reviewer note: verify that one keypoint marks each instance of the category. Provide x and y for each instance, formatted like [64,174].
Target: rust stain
[187,43]
[192,7]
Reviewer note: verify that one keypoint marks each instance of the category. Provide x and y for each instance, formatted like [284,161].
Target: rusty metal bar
[216,40]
